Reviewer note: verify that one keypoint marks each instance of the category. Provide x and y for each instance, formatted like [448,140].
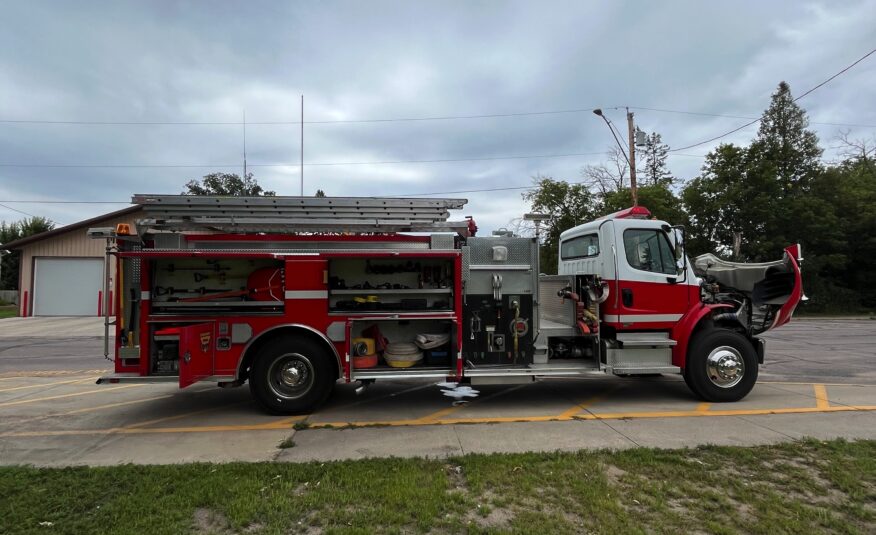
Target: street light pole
[631,160]
[632,134]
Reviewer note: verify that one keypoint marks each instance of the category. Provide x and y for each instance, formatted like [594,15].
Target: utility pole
[632,134]
[244,145]
[302,145]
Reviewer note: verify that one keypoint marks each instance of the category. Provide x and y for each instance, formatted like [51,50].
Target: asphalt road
[805,350]
[819,382]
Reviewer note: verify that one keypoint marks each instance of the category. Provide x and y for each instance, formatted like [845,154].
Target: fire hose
[582,314]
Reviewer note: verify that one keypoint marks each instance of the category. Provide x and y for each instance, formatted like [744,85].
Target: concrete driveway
[819,382]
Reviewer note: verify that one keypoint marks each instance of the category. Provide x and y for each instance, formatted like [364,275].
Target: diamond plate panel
[443,241]
[520,251]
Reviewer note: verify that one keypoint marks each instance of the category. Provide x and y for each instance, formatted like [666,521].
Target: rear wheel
[291,375]
[721,366]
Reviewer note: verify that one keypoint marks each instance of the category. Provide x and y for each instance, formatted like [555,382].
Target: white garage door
[67,286]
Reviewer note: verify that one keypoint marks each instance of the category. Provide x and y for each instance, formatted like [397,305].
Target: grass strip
[803,487]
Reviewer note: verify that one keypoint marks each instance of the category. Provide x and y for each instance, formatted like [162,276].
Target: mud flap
[759,348]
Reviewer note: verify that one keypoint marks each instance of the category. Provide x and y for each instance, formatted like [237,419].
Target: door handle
[627,296]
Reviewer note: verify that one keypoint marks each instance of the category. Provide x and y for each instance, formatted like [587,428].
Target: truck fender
[296,329]
[685,328]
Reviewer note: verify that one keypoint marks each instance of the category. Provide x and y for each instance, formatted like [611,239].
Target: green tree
[784,160]
[10,232]
[785,141]
[566,205]
[657,198]
[653,169]
[751,202]
[226,184]
[319,193]
[711,201]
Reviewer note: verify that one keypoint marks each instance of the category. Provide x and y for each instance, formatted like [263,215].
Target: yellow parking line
[34,400]
[731,412]
[595,416]
[285,423]
[807,384]
[450,410]
[703,407]
[183,415]
[270,426]
[92,409]
[39,385]
[821,400]
[583,406]
[8,376]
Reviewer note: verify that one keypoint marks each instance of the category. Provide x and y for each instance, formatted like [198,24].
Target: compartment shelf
[385,291]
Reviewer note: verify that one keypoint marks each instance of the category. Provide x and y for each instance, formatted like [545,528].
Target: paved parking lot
[58,416]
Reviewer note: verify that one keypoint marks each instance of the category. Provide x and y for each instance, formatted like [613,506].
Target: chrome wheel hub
[292,373]
[725,366]
[290,376]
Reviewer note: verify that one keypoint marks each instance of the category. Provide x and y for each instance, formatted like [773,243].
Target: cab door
[653,295]
[196,351]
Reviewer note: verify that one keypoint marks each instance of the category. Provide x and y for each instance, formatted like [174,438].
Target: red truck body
[294,294]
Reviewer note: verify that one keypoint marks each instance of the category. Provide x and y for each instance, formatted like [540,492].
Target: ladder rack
[298,214]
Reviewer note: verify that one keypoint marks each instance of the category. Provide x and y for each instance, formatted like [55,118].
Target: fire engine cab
[293,294]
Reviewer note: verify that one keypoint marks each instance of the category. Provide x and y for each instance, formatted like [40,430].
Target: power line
[381,162]
[859,60]
[268,123]
[320,164]
[16,210]
[397,119]
[62,202]
[704,114]
[42,201]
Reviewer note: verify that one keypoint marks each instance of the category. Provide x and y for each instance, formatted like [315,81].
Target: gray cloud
[176,61]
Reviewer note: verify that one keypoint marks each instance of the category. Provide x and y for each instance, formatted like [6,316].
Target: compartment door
[196,343]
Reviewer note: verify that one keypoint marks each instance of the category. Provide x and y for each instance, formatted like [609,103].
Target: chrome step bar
[645,340]
[135,378]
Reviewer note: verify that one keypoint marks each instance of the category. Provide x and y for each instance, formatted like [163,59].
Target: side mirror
[680,256]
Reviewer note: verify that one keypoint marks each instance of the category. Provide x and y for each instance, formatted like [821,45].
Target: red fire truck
[294,294]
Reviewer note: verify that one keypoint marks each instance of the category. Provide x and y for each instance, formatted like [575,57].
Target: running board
[630,340]
[135,378]
[640,371]
[401,373]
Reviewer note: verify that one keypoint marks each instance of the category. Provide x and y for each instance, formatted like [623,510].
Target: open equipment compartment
[400,283]
[436,359]
[183,286]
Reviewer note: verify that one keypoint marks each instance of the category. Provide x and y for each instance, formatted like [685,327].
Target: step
[645,340]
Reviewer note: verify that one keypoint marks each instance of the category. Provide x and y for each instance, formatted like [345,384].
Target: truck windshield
[580,247]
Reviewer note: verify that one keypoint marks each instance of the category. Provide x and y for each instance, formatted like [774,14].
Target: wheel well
[256,345]
[704,324]
[709,323]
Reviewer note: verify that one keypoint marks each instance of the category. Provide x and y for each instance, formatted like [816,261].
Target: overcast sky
[212,61]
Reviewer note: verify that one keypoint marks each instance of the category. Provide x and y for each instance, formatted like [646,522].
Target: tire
[292,376]
[721,366]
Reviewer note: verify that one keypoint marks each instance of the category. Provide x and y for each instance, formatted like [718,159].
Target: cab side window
[649,250]
[580,247]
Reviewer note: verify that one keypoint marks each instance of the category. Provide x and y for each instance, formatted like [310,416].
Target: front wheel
[721,366]
[291,376]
